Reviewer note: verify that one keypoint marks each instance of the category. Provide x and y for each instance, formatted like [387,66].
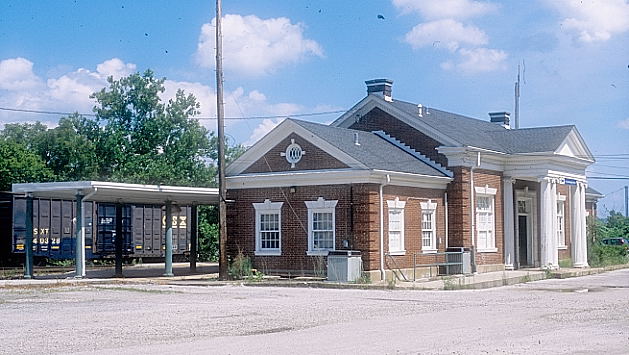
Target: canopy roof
[101,191]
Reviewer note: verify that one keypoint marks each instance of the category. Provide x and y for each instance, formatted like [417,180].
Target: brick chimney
[380,87]
[501,118]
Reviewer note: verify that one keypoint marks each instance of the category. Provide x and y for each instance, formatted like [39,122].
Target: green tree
[70,149]
[146,141]
[18,165]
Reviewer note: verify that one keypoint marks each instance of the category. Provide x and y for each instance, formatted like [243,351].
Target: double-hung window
[268,228]
[428,224]
[321,226]
[396,226]
[485,219]
[561,221]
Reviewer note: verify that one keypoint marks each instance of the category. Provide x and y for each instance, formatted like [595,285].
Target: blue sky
[290,57]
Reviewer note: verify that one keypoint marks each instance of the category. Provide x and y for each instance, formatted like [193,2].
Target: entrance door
[523,224]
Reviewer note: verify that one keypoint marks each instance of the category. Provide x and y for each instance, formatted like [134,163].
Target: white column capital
[508,180]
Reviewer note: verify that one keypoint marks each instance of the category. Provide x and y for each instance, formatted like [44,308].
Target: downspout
[472,209]
[445,203]
[382,273]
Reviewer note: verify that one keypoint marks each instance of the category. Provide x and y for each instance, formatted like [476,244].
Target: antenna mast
[517,100]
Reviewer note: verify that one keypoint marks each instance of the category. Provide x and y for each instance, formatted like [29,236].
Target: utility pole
[626,201]
[222,208]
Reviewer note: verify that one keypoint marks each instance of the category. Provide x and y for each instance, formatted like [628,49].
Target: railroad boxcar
[54,234]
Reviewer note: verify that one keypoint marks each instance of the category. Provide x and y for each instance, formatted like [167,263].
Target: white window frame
[561,222]
[490,244]
[264,208]
[320,206]
[396,207]
[429,208]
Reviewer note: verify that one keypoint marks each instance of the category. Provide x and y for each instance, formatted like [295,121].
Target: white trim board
[335,177]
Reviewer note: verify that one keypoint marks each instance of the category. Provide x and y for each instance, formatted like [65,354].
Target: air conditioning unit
[344,265]
[462,260]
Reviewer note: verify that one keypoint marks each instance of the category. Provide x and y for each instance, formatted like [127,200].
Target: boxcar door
[55,229]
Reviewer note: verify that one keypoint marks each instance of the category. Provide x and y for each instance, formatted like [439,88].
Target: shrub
[240,267]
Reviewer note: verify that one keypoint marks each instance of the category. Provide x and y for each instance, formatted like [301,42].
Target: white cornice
[334,177]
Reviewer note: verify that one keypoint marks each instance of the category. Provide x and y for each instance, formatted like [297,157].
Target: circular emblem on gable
[293,153]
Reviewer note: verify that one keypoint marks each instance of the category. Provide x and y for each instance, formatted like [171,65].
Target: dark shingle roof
[484,134]
[374,152]
[594,193]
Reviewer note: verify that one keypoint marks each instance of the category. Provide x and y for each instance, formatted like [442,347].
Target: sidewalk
[207,276]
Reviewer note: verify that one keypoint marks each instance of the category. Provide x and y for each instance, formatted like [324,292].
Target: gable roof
[374,151]
[472,132]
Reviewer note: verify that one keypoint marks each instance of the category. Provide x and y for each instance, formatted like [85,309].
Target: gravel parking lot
[582,315]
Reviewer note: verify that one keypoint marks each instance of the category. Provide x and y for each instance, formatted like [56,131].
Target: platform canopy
[101,191]
[118,193]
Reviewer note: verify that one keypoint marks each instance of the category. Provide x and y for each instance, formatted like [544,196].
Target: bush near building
[614,226]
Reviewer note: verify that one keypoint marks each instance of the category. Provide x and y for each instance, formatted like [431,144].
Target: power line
[608,178]
[309,114]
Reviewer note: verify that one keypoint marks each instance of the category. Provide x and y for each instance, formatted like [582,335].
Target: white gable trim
[279,133]
[372,101]
[574,146]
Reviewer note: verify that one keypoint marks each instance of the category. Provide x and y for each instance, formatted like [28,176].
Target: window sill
[268,253]
[491,250]
[317,252]
[429,251]
[562,247]
[397,253]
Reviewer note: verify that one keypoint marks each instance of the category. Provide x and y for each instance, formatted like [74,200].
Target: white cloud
[66,93]
[17,74]
[624,124]
[253,46]
[593,20]
[477,60]
[262,129]
[446,33]
[71,91]
[433,9]
[116,68]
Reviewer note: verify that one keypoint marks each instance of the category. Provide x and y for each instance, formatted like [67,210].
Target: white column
[554,243]
[579,234]
[548,237]
[509,223]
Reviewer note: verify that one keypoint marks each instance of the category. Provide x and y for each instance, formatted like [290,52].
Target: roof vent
[420,110]
[380,87]
[356,142]
[501,118]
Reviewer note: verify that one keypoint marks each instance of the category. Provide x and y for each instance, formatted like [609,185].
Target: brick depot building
[400,181]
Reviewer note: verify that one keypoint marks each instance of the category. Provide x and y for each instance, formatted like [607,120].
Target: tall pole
[626,201]
[222,211]
[517,100]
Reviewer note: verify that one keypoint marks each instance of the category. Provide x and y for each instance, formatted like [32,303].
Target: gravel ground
[582,315]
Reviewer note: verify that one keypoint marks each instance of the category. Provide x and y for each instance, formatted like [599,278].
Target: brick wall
[566,253]
[493,179]
[357,221]
[377,120]
[412,224]
[315,158]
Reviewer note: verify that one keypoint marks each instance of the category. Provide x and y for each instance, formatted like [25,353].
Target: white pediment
[278,134]
[574,146]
